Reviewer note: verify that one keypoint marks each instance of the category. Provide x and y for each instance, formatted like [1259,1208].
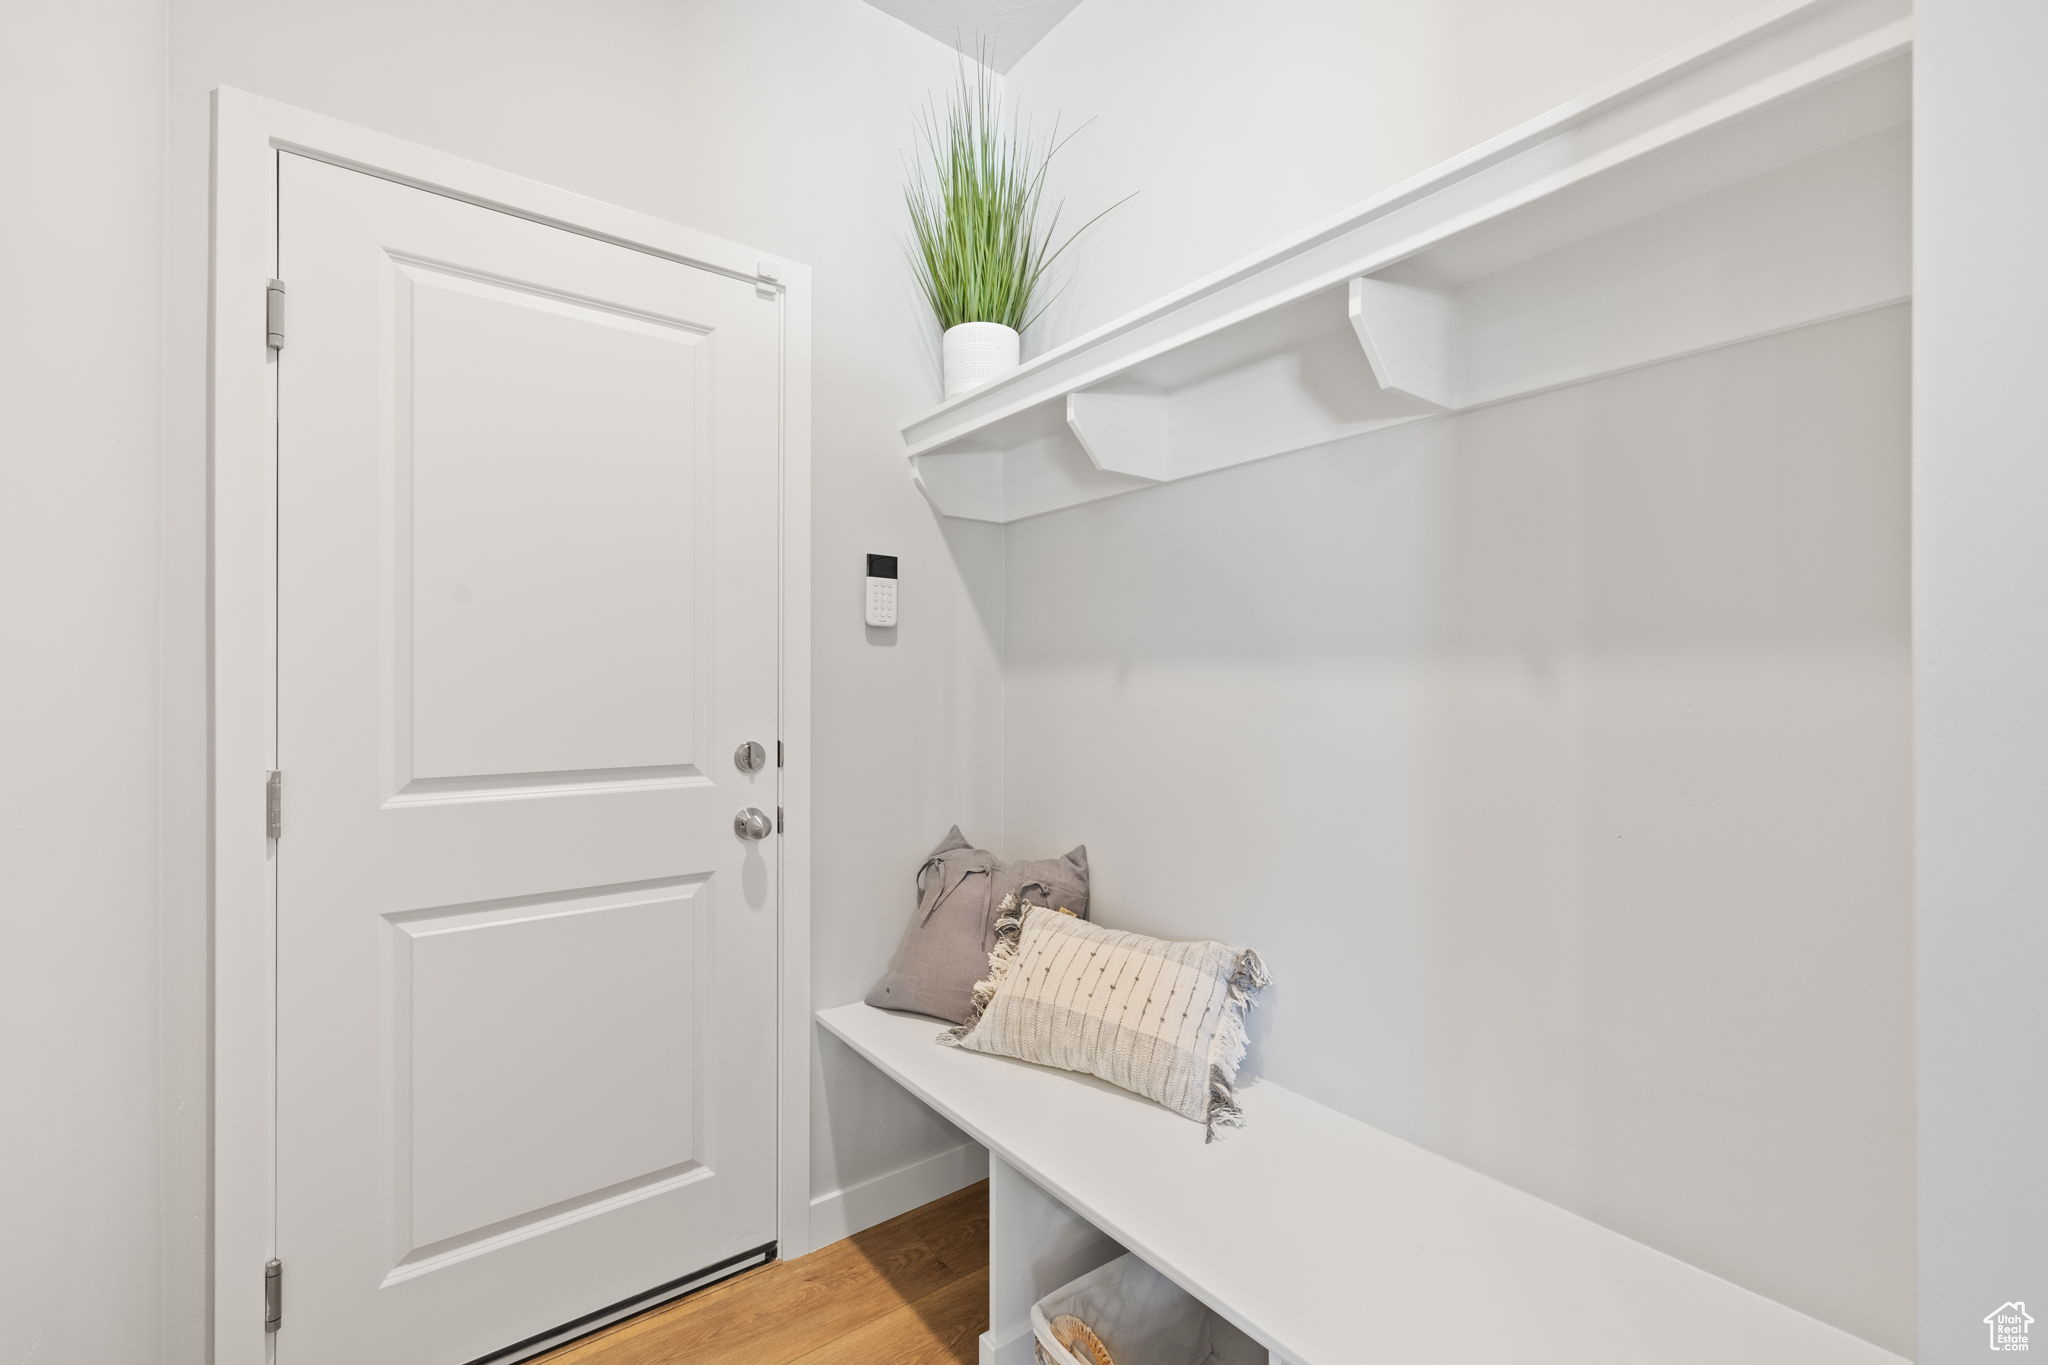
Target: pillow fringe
[1227,1050]
[1009,934]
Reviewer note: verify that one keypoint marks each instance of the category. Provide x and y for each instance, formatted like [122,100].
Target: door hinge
[273,1296]
[273,804]
[778,753]
[273,313]
[778,819]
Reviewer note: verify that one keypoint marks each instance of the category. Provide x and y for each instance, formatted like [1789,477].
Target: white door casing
[534,578]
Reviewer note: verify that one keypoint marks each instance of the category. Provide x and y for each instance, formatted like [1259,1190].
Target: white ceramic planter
[977,352]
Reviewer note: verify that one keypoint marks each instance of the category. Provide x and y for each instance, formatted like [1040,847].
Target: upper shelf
[1753,183]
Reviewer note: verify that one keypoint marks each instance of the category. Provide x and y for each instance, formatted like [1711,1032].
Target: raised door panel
[546,1059]
[547,487]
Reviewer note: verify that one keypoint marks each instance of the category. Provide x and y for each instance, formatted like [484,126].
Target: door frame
[249,133]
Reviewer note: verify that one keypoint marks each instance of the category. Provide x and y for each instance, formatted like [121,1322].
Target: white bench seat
[1334,1243]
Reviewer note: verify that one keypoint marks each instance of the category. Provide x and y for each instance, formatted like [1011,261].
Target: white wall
[1241,124]
[1980,610]
[1556,755]
[773,123]
[1408,706]
[81,248]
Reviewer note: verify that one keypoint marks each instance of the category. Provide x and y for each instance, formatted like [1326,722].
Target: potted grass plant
[977,247]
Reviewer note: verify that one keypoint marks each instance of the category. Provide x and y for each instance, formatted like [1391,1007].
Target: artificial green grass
[976,247]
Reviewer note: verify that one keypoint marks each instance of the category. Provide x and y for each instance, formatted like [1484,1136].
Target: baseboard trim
[1014,1349]
[859,1207]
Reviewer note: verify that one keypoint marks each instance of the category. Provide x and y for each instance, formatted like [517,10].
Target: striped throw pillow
[1161,1018]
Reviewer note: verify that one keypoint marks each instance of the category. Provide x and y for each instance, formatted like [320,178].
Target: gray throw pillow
[960,891]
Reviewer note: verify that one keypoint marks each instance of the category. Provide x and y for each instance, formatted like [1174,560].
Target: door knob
[752,824]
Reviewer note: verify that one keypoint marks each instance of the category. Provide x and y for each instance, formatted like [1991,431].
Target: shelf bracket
[1123,431]
[1409,334]
[964,481]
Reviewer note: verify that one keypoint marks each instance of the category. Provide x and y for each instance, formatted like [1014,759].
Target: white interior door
[527,608]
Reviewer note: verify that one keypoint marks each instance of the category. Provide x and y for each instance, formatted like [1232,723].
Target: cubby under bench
[1327,1240]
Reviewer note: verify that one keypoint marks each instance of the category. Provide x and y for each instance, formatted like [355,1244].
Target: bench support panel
[1035,1245]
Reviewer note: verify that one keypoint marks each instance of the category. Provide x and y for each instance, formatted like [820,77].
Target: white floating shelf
[1753,183]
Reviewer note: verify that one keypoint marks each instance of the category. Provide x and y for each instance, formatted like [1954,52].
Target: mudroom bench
[1323,1238]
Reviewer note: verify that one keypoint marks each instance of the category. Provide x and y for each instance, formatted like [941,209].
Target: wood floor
[912,1291]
